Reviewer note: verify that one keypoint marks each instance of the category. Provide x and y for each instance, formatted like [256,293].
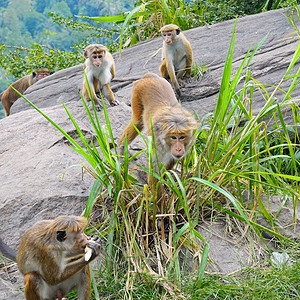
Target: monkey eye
[61,235]
[182,137]
[173,137]
[100,56]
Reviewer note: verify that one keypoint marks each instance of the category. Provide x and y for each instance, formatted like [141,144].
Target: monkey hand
[98,106]
[188,80]
[96,239]
[92,249]
[178,92]
[115,103]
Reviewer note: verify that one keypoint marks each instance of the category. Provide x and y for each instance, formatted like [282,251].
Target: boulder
[41,175]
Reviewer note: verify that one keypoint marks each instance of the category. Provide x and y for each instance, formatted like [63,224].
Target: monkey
[100,70]
[154,105]
[9,96]
[177,56]
[51,256]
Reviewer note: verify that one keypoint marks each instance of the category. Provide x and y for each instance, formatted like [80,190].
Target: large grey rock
[34,156]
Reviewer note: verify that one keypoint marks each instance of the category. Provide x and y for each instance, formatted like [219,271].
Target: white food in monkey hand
[88,251]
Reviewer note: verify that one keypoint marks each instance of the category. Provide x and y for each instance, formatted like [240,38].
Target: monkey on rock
[100,70]
[177,56]
[10,96]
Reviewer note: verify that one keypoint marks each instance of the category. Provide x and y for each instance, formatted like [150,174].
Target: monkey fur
[100,70]
[174,128]
[51,258]
[9,96]
[177,56]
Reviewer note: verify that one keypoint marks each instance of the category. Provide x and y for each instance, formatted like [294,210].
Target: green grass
[262,281]
[235,151]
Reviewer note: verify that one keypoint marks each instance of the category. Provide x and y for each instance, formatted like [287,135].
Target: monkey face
[42,75]
[168,37]
[97,58]
[72,240]
[177,145]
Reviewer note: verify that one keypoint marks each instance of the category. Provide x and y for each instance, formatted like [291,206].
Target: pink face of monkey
[97,58]
[169,36]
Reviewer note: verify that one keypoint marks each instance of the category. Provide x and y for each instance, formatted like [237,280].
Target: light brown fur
[177,56]
[174,128]
[100,70]
[51,258]
[9,96]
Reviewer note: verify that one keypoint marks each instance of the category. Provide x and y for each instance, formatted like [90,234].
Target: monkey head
[95,53]
[66,233]
[41,73]
[176,131]
[169,33]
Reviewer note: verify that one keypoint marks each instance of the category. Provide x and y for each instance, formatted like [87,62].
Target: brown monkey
[174,128]
[9,96]
[177,55]
[100,70]
[52,258]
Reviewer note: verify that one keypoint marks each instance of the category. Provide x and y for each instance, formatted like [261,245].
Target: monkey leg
[130,133]
[6,104]
[184,71]
[109,95]
[32,282]
[163,69]
[168,68]
[136,121]
[84,287]
[86,94]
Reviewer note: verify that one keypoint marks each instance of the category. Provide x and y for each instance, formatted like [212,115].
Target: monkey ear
[61,235]
[85,54]
[33,74]
[178,31]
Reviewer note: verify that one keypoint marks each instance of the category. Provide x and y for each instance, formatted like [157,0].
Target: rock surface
[34,156]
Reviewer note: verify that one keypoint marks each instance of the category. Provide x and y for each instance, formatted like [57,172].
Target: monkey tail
[6,251]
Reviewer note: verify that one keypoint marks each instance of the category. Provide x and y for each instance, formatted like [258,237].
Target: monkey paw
[98,106]
[115,103]
[178,92]
[188,80]
[97,239]
[93,248]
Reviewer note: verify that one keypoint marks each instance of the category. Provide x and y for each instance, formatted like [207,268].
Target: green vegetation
[148,255]
[164,256]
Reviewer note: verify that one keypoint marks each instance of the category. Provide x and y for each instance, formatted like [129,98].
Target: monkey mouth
[177,157]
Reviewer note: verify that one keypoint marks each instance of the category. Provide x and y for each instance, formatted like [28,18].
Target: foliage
[260,282]
[233,153]
[20,61]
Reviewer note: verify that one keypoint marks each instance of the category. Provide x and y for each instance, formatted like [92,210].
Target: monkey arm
[113,72]
[54,275]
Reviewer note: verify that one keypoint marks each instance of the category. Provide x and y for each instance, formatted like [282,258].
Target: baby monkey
[52,258]
[100,70]
[177,57]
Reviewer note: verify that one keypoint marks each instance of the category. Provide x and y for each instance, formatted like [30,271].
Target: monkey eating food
[51,256]
[154,104]
[100,70]
[9,96]
[177,56]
